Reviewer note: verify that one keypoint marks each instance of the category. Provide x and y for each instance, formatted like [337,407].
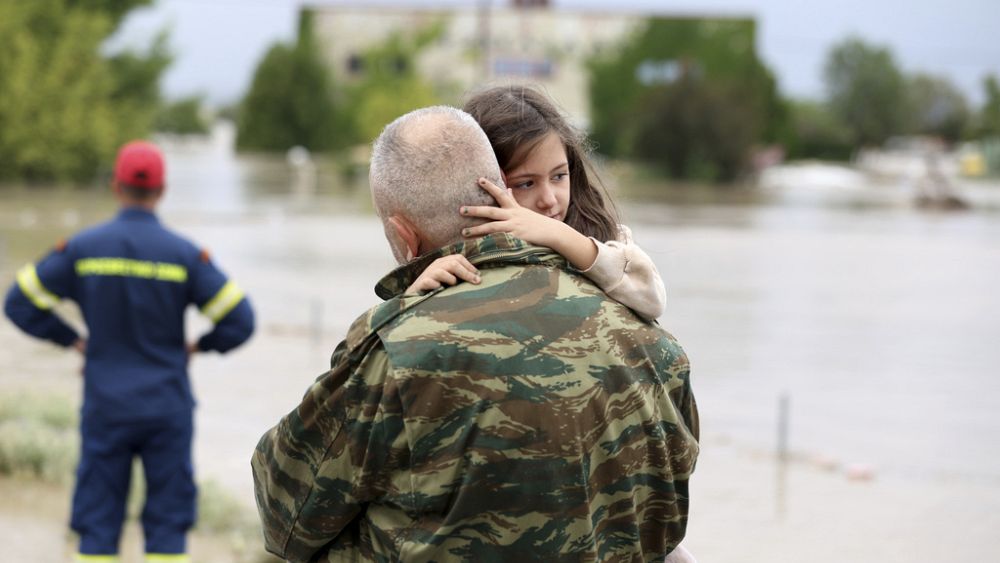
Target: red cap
[140,164]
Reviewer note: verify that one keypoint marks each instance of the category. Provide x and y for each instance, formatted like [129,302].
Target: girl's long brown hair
[516,119]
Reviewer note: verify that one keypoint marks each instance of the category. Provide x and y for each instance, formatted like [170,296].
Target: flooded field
[877,321]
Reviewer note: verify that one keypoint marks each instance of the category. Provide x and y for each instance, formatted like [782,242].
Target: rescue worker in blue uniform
[133,279]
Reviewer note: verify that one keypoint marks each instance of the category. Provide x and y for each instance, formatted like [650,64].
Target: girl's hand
[531,227]
[446,270]
[510,217]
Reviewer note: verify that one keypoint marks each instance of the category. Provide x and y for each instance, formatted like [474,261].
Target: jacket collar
[136,212]
[491,250]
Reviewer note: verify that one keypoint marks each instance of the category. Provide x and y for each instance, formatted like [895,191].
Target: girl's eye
[524,185]
[560,176]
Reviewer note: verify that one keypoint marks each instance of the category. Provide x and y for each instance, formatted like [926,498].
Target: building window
[355,64]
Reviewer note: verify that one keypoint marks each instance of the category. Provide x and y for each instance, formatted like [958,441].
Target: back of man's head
[139,173]
[425,165]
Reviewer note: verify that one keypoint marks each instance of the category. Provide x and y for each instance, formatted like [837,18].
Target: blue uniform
[132,279]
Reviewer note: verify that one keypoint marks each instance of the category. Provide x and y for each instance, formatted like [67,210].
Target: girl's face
[541,182]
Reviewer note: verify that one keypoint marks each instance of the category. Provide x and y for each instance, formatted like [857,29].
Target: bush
[66,106]
[817,133]
[182,117]
[694,131]
[38,437]
[688,95]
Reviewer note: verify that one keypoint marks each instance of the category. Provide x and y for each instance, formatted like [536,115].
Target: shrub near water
[38,437]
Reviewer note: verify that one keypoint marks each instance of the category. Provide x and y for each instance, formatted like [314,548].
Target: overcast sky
[218,43]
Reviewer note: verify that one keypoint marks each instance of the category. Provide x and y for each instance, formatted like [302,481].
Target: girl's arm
[620,268]
[628,275]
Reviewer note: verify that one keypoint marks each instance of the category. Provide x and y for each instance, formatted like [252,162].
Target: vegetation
[935,107]
[183,117]
[866,91]
[388,84]
[66,105]
[989,118]
[815,132]
[295,99]
[687,94]
[38,437]
[290,101]
[39,440]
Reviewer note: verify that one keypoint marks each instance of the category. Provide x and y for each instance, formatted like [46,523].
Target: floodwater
[878,321]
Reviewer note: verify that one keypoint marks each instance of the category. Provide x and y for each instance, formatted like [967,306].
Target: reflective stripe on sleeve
[223,302]
[31,286]
[167,558]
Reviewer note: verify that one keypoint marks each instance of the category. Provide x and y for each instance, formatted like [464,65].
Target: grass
[39,440]
[38,437]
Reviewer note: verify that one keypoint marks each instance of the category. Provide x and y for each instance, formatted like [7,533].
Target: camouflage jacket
[527,418]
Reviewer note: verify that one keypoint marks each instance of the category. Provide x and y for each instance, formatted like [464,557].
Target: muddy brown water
[879,322]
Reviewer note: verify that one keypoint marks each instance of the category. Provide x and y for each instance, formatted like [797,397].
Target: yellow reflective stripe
[27,280]
[85,558]
[166,558]
[126,267]
[223,302]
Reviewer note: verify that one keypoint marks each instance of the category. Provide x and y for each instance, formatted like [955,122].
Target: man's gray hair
[425,165]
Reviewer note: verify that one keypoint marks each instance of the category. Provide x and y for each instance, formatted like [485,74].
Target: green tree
[816,133]
[388,84]
[66,106]
[708,66]
[294,98]
[693,129]
[290,101]
[183,116]
[865,90]
[989,115]
[936,107]
[135,92]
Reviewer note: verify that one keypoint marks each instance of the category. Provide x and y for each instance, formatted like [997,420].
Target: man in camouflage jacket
[526,418]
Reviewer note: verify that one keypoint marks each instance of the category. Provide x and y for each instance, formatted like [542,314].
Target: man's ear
[408,234]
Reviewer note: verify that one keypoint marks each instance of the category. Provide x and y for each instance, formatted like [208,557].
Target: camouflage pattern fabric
[527,418]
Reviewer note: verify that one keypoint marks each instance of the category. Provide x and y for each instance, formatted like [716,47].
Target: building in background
[526,41]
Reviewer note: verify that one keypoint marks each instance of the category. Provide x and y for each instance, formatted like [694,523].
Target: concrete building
[525,41]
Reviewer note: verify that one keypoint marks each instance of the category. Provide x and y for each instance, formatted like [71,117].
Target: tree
[66,106]
[865,90]
[708,66]
[694,130]
[817,133]
[295,99]
[182,116]
[290,101]
[389,84]
[936,107]
[989,116]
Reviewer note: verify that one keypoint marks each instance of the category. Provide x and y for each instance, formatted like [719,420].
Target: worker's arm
[225,304]
[36,290]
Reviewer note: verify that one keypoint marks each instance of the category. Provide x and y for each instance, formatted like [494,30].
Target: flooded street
[878,322]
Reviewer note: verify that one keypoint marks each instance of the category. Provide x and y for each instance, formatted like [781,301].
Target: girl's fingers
[503,197]
[445,277]
[468,274]
[485,211]
[485,229]
[458,265]
[424,284]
